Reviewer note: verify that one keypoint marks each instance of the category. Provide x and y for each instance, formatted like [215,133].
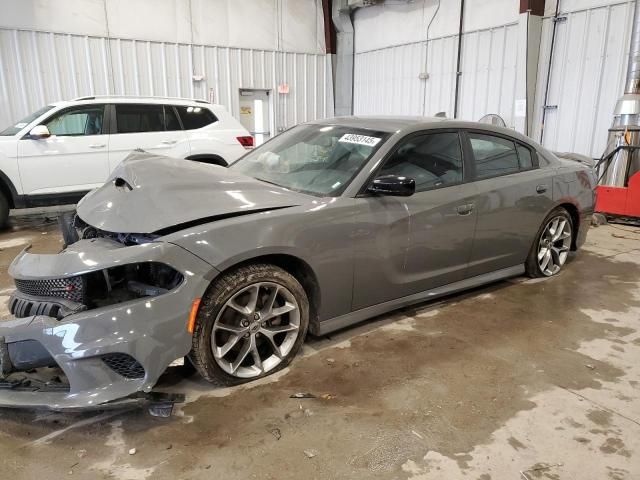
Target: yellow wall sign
[245,110]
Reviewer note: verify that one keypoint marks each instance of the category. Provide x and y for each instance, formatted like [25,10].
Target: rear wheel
[551,247]
[252,322]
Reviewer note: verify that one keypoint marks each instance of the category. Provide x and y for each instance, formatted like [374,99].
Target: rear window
[196,117]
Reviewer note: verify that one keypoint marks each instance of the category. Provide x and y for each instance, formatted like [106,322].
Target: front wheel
[551,247]
[251,323]
[4,212]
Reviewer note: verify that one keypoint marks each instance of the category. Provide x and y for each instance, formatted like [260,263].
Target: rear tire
[552,244]
[251,323]
[4,212]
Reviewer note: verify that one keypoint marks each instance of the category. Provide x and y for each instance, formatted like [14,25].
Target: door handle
[465,209]
[169,142]
[541,188]
[97,145]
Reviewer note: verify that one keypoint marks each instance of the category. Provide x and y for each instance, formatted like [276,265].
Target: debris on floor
[302,395]
[311,453]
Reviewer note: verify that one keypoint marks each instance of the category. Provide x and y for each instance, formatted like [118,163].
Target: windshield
[317,159]
[12,130]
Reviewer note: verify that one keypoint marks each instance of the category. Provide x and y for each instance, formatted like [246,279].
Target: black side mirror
[393,185]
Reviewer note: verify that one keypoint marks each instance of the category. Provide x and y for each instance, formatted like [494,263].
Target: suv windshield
[12,130]
[317,159]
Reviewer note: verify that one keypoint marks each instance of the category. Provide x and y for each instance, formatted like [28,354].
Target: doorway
[255,113]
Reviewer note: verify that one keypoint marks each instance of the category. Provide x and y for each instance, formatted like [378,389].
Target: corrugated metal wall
[587,77]
[40,67]
[386,81]
[488,81]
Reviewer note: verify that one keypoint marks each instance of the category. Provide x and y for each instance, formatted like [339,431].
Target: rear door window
[524,154]
[494,156]
[133,118]
[171,122]
[196,117]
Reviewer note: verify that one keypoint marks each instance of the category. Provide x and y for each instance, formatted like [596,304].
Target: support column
[529,35]
[343,89]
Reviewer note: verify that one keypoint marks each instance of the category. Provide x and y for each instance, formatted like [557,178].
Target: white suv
[59,153]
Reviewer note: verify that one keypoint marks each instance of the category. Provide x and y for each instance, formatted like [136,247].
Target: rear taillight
[246,142]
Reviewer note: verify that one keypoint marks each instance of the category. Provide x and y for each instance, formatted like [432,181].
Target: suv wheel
[4,211]
[251,323]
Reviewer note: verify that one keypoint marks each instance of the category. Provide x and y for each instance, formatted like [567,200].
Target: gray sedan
[326,225]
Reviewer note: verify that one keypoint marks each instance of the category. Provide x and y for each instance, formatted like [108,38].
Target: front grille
[71,288]
[124,365]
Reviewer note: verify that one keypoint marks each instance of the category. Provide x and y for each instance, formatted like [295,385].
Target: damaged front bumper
[111,354]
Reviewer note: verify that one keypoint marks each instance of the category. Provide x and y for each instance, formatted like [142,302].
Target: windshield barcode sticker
[359,139]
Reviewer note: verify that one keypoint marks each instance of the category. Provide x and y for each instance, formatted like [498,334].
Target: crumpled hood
[148,193]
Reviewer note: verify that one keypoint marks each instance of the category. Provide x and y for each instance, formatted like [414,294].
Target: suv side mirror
[393,185]
[39,132]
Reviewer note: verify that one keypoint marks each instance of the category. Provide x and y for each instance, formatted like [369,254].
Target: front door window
[77,121]
[432,160]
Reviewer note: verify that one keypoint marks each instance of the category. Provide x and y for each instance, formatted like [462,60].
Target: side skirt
[348,319]
[49,199]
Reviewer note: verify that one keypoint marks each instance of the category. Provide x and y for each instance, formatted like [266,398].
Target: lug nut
[245,323]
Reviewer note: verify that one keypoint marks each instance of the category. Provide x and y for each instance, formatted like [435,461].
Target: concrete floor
[519,380]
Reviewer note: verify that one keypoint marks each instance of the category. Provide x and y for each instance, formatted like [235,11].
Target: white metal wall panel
[488,78]
[587,77]
[386,81]
[39,67]
[441,66]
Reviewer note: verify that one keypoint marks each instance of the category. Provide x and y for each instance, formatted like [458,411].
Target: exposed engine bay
[74,229]
[60,297]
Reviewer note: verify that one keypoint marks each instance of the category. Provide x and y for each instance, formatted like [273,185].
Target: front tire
[251,323]
[552,244]
[4,212]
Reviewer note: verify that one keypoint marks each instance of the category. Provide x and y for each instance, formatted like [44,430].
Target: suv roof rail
[95,97]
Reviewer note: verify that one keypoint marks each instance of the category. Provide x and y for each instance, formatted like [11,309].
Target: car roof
[408,124]
[135,99]
[383,123]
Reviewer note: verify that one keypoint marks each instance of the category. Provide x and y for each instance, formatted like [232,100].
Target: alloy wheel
[554,245]
[255,329]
